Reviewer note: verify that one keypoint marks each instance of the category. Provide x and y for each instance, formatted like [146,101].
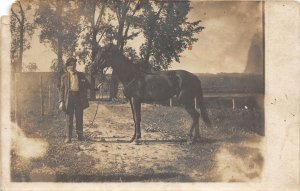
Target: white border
[282,71]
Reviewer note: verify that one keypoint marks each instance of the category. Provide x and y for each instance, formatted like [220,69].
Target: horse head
[105,55]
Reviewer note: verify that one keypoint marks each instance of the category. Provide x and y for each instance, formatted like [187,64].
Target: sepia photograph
[137,91]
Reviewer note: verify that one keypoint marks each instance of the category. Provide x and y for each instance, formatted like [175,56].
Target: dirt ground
[230,151]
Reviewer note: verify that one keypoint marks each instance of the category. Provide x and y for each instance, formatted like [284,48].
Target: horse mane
[130,62]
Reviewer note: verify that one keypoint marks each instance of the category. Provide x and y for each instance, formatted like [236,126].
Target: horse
[148,87]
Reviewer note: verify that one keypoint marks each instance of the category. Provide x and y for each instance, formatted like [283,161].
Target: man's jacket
[65,89]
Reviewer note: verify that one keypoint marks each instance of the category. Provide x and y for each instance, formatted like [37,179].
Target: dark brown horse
[142,87]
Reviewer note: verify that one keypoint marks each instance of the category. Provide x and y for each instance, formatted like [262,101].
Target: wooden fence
[233,87]
[230,87]
[34,93]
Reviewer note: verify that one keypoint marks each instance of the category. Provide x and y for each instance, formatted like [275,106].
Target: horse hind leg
[195,124]
[186,98]
[201,105]
[133,116]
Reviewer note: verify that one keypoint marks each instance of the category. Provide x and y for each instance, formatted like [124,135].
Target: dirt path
[226,153]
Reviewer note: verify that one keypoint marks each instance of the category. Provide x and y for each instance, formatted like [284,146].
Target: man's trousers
[74,107]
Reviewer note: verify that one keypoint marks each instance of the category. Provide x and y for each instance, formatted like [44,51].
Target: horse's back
[187,79]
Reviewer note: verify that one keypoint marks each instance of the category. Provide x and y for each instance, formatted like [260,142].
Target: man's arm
[87,83]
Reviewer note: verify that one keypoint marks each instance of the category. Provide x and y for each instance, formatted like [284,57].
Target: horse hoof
[196,139]
[189,141]
[131,140]
[135,142]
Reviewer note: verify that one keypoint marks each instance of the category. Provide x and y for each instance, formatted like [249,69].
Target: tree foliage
[96,26]
[164,26]
[167,32]
[126,14]
[21,32]
[31,67]
[59,23]
[81,28]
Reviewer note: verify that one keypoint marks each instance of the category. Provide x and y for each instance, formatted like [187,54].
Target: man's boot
[69,137]
[80,137]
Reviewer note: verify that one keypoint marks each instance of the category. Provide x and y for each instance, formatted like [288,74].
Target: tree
[255,56]
[164,26]
[125,12]
[21,33]
[59,23]
[95,27]
[167,32]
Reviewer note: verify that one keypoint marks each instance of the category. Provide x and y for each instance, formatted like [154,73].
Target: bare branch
[13,12]
[160,9]
[101,36]
[128,5]
[132,35]
[133,13]
[22,14]
[21,8]
[99,19]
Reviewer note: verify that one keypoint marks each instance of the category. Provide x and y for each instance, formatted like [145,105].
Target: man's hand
[62,106]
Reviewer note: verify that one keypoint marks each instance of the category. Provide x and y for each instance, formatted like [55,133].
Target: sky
[223,46]
[5,6]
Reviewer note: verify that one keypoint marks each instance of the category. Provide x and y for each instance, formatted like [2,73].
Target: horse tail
[201,105]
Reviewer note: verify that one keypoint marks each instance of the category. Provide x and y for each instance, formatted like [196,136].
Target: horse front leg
[136,111]
[133,116]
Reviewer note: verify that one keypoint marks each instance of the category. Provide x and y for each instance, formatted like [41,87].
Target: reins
[93,120]
[131,81]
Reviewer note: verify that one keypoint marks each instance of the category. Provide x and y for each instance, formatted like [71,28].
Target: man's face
[71,68]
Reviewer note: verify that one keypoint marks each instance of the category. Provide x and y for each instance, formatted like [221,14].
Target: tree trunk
[95,45]
[20,60]
[19,63]
[59,42]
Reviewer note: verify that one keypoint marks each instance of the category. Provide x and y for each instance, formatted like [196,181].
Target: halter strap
[131,81]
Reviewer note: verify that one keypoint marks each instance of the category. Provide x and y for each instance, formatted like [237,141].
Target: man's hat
[70,61]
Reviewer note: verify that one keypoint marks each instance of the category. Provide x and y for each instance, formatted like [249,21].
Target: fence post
[171,102]
[233,104]
[41,95]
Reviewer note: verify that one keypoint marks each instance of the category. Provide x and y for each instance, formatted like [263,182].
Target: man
[73,98]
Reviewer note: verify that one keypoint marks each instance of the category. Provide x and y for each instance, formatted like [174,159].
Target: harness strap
[131,81]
